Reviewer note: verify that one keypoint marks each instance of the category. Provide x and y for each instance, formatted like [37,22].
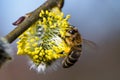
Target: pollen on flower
[35,44]
[43,41]
[35,57]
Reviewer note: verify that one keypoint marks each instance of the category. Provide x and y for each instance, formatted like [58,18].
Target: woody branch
[5,49]
[32,18]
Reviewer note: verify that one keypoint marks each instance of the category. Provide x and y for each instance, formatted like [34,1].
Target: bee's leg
[71,59]
[64,63]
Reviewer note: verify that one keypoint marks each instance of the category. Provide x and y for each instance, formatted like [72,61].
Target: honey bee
[73,39]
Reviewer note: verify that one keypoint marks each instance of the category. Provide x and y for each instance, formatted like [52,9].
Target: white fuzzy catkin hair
[43,68]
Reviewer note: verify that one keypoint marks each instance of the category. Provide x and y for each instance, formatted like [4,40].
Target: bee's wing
[89,46]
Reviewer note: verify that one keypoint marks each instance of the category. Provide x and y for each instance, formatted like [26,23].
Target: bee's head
[73,36]
[72,31]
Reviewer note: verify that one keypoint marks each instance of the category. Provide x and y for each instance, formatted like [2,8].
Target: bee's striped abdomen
[72,58]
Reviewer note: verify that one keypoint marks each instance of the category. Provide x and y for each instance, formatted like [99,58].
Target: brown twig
[32,18]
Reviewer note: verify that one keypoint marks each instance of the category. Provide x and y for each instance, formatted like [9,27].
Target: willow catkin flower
[5,51]
[43,42]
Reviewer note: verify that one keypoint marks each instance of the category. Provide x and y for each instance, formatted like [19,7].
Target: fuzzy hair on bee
[73,39]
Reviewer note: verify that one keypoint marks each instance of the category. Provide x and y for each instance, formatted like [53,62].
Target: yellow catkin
[45,45]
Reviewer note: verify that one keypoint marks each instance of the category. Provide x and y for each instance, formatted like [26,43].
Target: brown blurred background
[97,20]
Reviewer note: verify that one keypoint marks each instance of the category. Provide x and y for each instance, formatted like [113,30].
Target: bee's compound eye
[72,31]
